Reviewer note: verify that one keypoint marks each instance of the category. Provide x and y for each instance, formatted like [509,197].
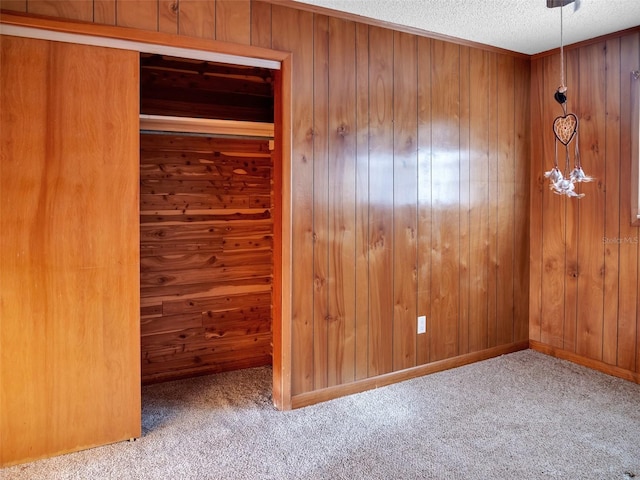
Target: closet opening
[209,210]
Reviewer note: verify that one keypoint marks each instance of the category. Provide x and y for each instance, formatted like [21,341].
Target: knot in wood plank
[343,130]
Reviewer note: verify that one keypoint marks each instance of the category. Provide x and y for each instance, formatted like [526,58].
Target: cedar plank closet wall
[584,254]
[206,254]
[410,185]
[206,223]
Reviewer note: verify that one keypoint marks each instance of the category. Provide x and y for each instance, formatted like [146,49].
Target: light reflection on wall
[445,181]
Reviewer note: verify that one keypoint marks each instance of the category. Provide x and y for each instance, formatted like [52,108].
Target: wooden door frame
[144,41]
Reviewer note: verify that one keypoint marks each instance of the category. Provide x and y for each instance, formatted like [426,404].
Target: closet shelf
[162,123]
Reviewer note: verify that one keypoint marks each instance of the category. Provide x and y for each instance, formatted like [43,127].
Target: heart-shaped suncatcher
[565,128]
[562,181]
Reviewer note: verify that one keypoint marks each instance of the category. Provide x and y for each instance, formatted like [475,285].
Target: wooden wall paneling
[505,200]
[157,323]
[104,11]
[591,108]
[142,14]
[380,201]
[536,195]
[479,116]
[260,24]
[523,180]
[342,201]
[465,199]
[362,202]
[216,356]
[424,196]
[405,189]
[300,43]
[554,220]
[445,95]
[601,275]
[70,9]
[69,309]
[449,310]
[188,251]
[492,211]
[611,158]
[233,21]
[571,210]
[168,11]
[199,155]
[197,18]
[14,5]
[321,231]
[628,344]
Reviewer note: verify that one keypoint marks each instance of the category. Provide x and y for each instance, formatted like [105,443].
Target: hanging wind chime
[565,128]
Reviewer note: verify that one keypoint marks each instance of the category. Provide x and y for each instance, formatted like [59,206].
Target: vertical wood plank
[300,42]
[465,198]
[362,201]
[554,220]
[260,24]
[321,231]
[424,196]
[70,9]
[506,216]
[405,188]
[14,5]
[168,16]
[628,296]
[571,210]
[612,202]
[536,192]
[197,18]
[524,180]
[342,201]
[233,21]
[480,72]
[380,201]
[591,108]
[492,206]
[104,11]
[445,94]
[142,14]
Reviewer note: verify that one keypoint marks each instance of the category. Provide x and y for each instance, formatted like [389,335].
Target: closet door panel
[69,248]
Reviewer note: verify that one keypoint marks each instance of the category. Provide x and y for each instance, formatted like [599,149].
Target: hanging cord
[560,94]
[562,85]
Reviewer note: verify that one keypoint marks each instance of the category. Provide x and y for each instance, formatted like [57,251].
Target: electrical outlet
[422,324]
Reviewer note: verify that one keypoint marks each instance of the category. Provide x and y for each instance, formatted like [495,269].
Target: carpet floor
[523,415]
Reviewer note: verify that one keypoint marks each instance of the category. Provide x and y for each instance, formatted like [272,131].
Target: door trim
[137,46]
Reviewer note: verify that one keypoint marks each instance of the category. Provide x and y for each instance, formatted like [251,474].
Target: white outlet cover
[422,324]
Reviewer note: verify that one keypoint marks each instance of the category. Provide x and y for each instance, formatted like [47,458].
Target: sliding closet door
[69,248]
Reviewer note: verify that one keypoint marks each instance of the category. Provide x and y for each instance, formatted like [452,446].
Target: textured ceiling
[525,26]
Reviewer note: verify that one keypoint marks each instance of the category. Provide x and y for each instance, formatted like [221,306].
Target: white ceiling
[525,26]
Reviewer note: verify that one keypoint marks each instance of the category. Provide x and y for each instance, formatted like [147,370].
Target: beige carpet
[523,415]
